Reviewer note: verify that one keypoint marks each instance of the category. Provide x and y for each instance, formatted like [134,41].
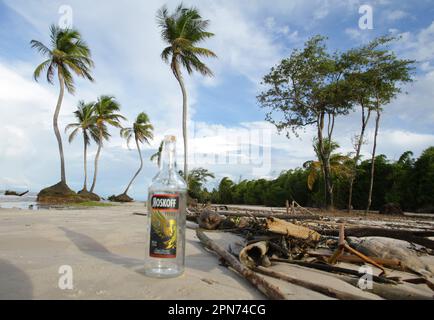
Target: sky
[228,133]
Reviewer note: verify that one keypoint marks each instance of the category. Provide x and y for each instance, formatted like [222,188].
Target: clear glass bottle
[167,200]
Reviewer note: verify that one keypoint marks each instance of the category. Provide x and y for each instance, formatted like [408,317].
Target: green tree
[196,179]
[225,191]
[182,31]
[403,184]
[86,123]
[386,74]
[142,131]
[309,88]
[424,178]
[339,164]
[67,54]
[105,109]
[358,77]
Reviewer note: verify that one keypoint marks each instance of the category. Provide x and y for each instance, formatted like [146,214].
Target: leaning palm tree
[105,113]
[182,31]
[86,123]
[142,131]
[67,54]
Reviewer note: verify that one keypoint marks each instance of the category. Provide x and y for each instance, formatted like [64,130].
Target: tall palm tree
[67,54]
[182,31]
[142,131]
[86,123]
[105,113]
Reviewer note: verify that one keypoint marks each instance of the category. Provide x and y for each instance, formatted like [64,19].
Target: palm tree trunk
[180,79]
[85,164]
[95,173]
[371,185]
[56,127]
[138,171]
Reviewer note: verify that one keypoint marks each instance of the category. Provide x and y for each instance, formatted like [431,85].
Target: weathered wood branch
[286,228]
[410,236]
[386,291]
[269,290]
[334,293]
[332,269]
[269,215]
[390,263]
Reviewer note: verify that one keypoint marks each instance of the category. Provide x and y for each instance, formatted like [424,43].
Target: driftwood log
[14,193]
[269,215]
[286,228]
[389,263]
[386,291]
[269,290]
[333,269]
[334,293]
[410,236]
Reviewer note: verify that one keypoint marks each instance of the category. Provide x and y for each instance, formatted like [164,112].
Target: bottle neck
[168,156]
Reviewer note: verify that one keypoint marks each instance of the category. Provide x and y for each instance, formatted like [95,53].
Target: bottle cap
[170,138]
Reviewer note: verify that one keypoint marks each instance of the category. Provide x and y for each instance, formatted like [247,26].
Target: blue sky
[251,37]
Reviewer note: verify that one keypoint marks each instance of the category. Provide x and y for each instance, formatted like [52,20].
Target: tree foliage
[407,181]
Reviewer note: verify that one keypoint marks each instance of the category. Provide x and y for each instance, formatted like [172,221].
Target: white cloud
[395,15]
[243,47]
[420,45]
[126,47]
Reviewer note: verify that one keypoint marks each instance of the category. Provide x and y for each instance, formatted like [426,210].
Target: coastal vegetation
[313,87]
[182,31]
[316,88]
[141,132]
[407,182]
[67,54]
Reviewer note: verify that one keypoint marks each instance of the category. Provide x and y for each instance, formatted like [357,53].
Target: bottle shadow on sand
[90,246]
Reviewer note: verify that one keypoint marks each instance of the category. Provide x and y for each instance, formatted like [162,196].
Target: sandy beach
[105,248]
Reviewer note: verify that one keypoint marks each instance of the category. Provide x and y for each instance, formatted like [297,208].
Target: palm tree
[142,131]
[182,31]
[86,123]
[340,165]
[157,155]
[105,114]
[67,54]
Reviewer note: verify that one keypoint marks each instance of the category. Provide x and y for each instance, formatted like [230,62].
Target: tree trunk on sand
[96,161]
[374,149]
[138,171]
[180,79]
[56,127]
[325,160]
[365,121]
[85,165]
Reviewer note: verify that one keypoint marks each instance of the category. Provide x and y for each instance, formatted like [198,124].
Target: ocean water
[27,201]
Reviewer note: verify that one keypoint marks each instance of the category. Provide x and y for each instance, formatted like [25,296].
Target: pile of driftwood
[328,245]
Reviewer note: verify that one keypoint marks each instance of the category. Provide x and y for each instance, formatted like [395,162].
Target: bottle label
[164,211]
